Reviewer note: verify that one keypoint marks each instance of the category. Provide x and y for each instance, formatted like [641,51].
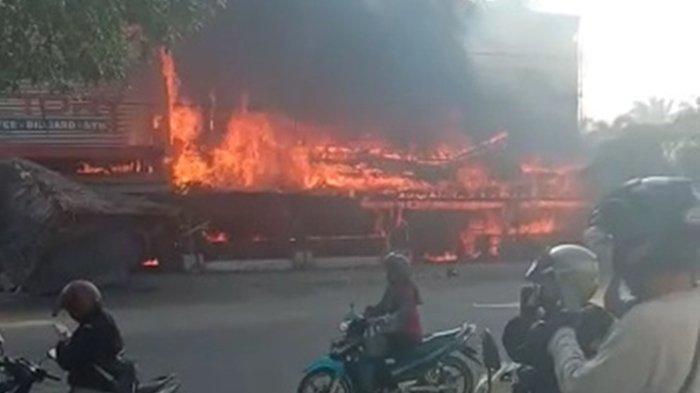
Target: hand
[529,301]
[62,331]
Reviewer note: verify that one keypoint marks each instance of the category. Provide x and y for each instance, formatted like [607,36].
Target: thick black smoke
[403,66]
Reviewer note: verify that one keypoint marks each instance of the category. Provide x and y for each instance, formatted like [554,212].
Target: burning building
[297,128]
[275,179]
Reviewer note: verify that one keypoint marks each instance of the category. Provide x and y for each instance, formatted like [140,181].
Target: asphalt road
[254,333]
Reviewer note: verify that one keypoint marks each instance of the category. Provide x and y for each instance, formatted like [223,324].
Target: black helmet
[652,221]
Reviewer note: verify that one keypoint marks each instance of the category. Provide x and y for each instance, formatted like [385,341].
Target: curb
[340,263]
[282,264]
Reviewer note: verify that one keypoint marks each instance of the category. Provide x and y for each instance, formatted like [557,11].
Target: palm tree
[653,111]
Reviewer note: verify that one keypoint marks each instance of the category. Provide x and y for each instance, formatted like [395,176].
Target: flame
[266,152]
[269,152]
[216,237]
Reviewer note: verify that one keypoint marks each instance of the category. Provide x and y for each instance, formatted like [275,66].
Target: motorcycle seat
[434,343]
[155,385]
[441,335]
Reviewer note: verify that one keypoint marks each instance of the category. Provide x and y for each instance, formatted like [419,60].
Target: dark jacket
[97,340]
[401,300]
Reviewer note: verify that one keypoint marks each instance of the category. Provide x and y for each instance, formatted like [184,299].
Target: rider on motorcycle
[94,345]
[653,224]
[566,276]
[398,310]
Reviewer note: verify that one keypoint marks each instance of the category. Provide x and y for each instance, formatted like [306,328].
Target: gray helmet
[567,274]
[398,266]
[653,222]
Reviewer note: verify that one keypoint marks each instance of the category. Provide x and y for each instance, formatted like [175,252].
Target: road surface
[254,333]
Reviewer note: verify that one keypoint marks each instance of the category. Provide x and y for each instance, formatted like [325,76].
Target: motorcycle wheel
[320,381]
[456,376]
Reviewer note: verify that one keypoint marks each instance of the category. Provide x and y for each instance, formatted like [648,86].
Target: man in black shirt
[94,346]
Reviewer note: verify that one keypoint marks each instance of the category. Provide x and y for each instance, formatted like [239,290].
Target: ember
[151,263]
[132,167]
[216,236]
[446,257]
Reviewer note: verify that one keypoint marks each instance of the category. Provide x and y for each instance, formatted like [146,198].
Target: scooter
[499,376]
[440,364]
[20,375]
[162,384]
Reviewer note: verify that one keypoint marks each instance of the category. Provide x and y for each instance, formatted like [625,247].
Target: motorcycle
[548,292]
[20,375]
[440,364]
[499,377]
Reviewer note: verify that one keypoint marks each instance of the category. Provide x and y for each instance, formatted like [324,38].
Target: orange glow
[445,257]
[264,151]
[115,169]
[542,226]
[216,237]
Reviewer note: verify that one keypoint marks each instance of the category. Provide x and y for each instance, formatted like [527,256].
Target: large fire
[264,151]
[261,151]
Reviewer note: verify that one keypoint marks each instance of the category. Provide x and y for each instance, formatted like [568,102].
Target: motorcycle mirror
[491,356]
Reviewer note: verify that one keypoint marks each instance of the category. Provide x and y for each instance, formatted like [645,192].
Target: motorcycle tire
[459,366]
[308,383]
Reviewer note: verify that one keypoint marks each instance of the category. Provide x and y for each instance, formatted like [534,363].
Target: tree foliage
[58,43]
[653,111]
[641,144]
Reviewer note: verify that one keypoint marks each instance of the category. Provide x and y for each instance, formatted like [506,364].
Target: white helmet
[568,275]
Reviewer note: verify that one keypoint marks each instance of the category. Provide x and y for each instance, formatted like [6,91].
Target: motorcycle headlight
[344,326]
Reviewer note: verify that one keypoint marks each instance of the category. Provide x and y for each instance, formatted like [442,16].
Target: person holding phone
[96,343]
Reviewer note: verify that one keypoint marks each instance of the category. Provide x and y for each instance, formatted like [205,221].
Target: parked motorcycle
[440,364]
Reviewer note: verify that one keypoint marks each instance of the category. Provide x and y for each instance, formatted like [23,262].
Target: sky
[634,49]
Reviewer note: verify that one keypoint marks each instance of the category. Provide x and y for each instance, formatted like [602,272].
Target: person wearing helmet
[565,277]
[402,329]
[653,226]
[95,342]
[399,303]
